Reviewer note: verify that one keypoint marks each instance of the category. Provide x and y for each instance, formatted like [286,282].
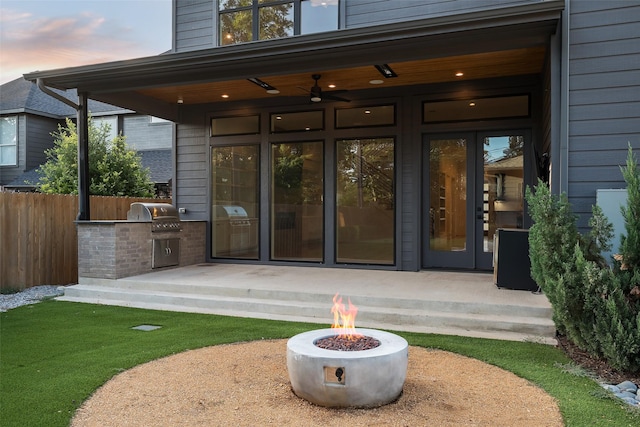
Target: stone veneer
[117,249]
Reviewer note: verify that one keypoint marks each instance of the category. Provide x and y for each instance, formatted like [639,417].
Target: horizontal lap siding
[604,97]
[142,135]
[194,23]
[191,170]
[360,13]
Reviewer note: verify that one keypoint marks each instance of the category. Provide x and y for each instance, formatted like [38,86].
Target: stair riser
[307,297]
[315,314]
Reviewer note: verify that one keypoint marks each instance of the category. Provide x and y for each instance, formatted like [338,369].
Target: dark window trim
[395,116]
[212,118]
[527,116]
[322,128]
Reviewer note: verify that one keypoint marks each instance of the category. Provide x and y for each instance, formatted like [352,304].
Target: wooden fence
[38,239]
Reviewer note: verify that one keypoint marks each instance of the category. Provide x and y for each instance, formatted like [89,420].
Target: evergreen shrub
[595,305]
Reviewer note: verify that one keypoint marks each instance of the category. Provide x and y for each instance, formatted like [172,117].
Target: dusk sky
[37,35]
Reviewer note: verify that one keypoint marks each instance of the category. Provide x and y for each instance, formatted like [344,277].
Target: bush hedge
[597,306]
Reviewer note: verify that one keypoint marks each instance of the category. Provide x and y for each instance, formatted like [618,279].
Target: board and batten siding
[195,23]
[604,97]
[192,180]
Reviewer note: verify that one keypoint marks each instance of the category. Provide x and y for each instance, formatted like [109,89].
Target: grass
[54,355]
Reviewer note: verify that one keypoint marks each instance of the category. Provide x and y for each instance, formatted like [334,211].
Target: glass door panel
[449,228]
[234,194]
[365,201]
[297,209]
[502,195]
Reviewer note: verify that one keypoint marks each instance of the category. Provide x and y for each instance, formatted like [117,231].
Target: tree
[114,170]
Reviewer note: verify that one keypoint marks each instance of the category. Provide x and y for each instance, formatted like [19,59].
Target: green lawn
[53,355]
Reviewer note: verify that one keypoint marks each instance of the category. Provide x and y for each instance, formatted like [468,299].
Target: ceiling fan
[317,95]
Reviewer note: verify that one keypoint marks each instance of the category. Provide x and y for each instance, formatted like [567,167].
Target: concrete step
[502,321]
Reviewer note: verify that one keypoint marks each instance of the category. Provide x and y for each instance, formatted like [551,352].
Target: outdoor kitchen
[152,237]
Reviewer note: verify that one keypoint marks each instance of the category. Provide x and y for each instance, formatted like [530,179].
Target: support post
[84,213]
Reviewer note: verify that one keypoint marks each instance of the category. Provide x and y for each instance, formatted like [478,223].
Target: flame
[344,318]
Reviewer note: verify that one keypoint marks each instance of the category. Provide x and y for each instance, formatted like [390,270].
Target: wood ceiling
[474,66]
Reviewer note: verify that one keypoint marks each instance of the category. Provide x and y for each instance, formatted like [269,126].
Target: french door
[473,185]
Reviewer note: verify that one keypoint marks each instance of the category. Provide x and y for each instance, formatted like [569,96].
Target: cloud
[35,43]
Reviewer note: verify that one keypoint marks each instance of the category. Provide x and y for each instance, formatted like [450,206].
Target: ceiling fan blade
[334,98]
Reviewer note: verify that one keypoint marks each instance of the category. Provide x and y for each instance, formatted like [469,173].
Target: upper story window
[109,121]
[9,141]
[241,21]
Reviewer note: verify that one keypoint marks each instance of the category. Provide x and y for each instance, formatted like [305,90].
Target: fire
[344,318]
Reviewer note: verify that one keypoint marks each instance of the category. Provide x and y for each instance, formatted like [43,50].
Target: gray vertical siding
[604,97]
[194,24]
[39,139]
[191,187]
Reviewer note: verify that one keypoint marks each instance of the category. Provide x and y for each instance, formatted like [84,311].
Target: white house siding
[604,96]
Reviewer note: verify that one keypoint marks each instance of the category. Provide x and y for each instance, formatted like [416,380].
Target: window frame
[255,7]
[13,143]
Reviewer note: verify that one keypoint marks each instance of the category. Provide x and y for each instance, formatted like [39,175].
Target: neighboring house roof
[25,181]
[508,163]
[22,96]
[159,164]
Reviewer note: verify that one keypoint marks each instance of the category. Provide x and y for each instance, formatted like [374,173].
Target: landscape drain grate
[146,328]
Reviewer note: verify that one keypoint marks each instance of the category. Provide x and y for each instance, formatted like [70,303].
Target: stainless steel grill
[163,216]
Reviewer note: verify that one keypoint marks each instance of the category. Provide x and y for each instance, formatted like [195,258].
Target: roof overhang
[130,83]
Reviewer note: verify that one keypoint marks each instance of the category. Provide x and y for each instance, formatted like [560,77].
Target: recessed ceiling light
[367,111]
[180,100]
[266,86]
[472,104]
[459,74]
[376,82]
[307,128]
[278,117]
[225,96]
[332,86]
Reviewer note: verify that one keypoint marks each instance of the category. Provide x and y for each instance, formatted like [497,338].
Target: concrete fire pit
[363,379]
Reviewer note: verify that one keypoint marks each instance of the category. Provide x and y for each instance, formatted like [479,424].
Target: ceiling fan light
[273,91]
[315,98]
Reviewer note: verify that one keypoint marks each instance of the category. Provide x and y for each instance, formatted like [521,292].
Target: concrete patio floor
[447,302]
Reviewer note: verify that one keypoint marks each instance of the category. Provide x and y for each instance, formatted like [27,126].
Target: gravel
[29,296]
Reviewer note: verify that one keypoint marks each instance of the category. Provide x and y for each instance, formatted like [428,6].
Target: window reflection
[234,194]
[297,210]
[242,21]
[365,201]
[448,198]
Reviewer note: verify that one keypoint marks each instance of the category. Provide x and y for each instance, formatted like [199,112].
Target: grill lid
[149,212]
[231,212]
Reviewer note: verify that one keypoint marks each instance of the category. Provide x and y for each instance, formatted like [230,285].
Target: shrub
[596,306]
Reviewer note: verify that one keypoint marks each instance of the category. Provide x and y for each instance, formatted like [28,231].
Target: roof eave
[357,46]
